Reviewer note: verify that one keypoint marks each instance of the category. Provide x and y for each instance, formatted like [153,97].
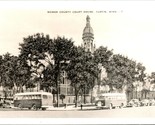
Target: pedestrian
[65,105]
[81,106]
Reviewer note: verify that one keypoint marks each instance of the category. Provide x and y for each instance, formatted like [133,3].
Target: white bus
[110,100]
[33,100]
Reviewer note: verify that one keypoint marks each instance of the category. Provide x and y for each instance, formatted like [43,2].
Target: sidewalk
[71,108]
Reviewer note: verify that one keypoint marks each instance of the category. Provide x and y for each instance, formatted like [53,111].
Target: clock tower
[88,37]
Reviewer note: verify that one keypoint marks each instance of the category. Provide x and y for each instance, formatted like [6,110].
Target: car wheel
[34,107]
[19,106]
[43,109]
[122,105]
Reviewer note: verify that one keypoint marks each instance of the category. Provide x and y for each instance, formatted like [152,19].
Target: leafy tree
[63,51]
[13,74]
[141,78]
[33,51]
[140,72]
[53,54]
[82,72]
[152,77]
[1,69]
[121,71]
[103,55]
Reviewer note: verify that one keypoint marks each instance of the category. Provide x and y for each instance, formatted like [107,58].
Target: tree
[140,72]
[63,51]
[33,52]
[141,77]
[82,71]
[7,67]
[13,74]
[151,78]
[53,54]
[103,55]
[121,71]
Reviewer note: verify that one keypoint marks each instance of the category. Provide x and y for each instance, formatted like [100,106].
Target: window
[16,98]
[38,97]
[19,97]
[26,97]
[33,97]
[29,97]
[44,96]
[50,97]
[101,97]
[23,97]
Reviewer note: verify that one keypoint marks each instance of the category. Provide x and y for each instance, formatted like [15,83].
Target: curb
[72,109]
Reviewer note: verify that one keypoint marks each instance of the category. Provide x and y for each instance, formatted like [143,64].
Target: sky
[129,29]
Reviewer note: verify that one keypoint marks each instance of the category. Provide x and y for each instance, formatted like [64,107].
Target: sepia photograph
[77,62]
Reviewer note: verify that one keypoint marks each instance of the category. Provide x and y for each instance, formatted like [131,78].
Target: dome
[88,30]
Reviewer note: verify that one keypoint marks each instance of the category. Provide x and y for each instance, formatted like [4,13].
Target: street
[134,112]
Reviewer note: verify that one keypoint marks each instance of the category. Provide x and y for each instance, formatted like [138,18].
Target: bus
[111,100]
[33,100]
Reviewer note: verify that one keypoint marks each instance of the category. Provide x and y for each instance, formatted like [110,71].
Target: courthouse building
[88,44]
[67,90]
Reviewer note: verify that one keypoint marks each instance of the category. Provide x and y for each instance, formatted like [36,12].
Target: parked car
[133,103]
[145,102]
[151,102]
[7,104]
[1,104]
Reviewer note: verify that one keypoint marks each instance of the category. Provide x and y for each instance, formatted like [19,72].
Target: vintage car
[133,103]
[151,102]
[144,102]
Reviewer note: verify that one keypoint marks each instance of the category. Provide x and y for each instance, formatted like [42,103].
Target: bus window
[33,97]
[50,97]
[20,97]
[26,97]
[23,97]
[44,96]
[29,97]
[38,97]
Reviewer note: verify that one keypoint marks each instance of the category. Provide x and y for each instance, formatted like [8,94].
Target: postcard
[77,62]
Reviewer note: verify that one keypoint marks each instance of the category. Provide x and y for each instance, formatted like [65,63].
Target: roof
[88,30]
[34,93]
[113,94]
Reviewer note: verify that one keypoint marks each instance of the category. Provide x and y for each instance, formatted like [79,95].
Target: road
[135,112]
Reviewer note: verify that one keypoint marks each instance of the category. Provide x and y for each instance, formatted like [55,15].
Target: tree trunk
[76,98]
[136,92]
[91,95]
[57,84]
[53,98]
[84,95]
[145,94]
